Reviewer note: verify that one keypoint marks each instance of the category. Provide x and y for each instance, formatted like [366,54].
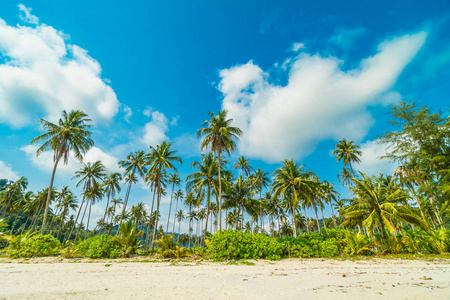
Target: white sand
[286,279]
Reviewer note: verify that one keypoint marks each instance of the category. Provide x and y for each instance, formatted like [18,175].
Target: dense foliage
[100,246]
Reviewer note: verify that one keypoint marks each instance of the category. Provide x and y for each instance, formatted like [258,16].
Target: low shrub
[231,244]
[100,246]
[37,245]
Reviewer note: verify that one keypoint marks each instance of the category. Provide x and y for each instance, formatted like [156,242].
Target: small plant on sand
[168,248]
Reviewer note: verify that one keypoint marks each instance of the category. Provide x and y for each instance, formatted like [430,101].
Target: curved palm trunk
[207,207]
[126,198]
[76,220]
[294,221]
[49,194]
[89,217]
[323,219]
[149,225]
[158,199]
[170,208]
[334,217]
[106,209]
[317,218]
[81,221]
[306,218]
[175,216]
[190,224]
[220,194]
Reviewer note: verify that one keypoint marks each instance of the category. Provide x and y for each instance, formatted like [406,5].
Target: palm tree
[331,195]
[135,163]
[219,135]
[242,163]
[259,180]
[162,158]
[180,217]
[70,134]
[89,175]
[111,186]
[174,179]
[204,180]
[378,207]
[178,195]
[347,151]
[290,180]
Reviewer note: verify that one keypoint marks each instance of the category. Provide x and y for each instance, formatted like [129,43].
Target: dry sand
[285,279]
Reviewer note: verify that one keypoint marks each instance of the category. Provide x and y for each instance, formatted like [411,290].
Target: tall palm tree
[219,136]
[111,186]
[347,151]
[259,180]
[178,195]
[204,180]
[242,163]
[174,179]
[291,180]
[331,195]
[180,217]
[69,135]
[162,159]
[89,175]
[134,163]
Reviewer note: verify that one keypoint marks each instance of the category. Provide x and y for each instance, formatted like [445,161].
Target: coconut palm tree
[178,195]
[162,158]
[134,163]
[180,217]
[174,179]
[291,180]
[347,151]
[219,136]
[89,175]
[379,208]
[69,135]
[331,195]
[111,186]
[204,180]
[242,163]
[259,180]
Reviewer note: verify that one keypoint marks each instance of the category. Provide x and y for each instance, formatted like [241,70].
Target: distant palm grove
[230,204]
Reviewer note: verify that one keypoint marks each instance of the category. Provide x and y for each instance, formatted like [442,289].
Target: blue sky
[296,76]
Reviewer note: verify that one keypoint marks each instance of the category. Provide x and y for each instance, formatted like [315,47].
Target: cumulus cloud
[296,46]
[45,160]
[155,130]
[26,16]
[41,75]
[320,100]
[371,164]
[7,173]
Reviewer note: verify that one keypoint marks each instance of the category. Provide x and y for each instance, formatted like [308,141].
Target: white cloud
[187,145]
[319,102]
[7,173]
[45,160]
[155,130]
[371,164]
[128,112]
[41,75]
[296,46]
[26,15]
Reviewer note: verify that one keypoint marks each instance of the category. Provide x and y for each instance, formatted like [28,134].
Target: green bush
[328,243]
[100,246]
[231,244]
[37,245]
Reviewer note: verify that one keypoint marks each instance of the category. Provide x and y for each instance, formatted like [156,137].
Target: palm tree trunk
[76,220]
[323,219]
[170,208]
[175,216]
[158,198]
[306,219]
[317,218]
[220,194]
[49,194]
[207,207]
[334,217]
[295,223]
[126,198]
[81,221]
[89,217]
[106,209]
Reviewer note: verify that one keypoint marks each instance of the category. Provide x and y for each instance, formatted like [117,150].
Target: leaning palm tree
[220,137]
[69,135]
[135,163]
[162,158]
[111,186]
[178,195]
[259,180]
[347,151]
[379,208]
[174,179]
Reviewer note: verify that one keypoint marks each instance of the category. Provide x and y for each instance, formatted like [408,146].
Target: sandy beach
[287,279]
